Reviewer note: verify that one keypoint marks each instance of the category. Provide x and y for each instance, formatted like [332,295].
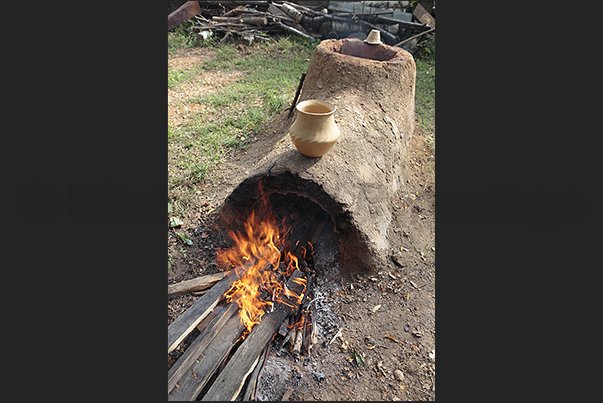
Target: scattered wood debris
[250,21]
[389,336]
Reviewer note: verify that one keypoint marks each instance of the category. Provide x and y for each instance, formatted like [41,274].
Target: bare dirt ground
[208,81]
[387,317]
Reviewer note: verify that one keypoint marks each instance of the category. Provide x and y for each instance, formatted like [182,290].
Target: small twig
[336,336]
[287,394]
[252,385]
[257,383]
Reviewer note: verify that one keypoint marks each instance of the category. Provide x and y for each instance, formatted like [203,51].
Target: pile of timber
[219,364]
[256,20]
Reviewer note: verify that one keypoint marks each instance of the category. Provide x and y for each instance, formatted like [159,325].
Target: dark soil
[398,301]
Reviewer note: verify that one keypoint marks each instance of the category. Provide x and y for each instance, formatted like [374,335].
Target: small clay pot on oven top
[314,131]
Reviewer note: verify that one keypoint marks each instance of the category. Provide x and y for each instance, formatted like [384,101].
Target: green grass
[425,95]
[234,115]
[182,37]
[176,40]
[176,77]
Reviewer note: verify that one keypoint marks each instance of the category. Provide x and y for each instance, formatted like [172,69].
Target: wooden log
[293,30]
[194,351]
[232,378]
[292,12]
[222,25]
[197,376]
[303,8]
[252,20]
[225,19]
[196,284]
[186,322]
[277,12]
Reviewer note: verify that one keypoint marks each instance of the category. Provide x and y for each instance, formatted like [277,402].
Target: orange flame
[258,245]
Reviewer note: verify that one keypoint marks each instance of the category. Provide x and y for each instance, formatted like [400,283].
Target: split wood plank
[232,378]
[187,321]
[202,370]
[184,13]
[196,284]
[423,15]
[194,351]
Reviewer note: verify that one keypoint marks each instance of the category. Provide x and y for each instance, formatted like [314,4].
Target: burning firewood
[260,305]
[186,322]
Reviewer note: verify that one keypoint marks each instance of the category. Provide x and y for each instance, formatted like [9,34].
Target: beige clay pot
[314,131]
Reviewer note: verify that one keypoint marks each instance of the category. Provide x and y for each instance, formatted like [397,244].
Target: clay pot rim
[316,101]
